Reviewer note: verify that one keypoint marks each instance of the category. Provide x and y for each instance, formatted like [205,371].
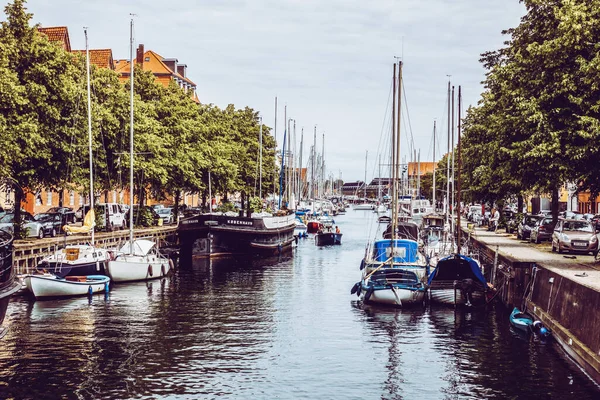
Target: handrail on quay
[28,253]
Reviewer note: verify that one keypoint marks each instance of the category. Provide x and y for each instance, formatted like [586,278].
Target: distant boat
[457,280]
[49,285]
[300,230]
[328,239]
[363,206]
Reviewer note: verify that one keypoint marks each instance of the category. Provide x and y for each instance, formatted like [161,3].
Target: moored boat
[8,284]
[391,286]
[75,260]
[214,234]
[50,285]
[457,280]
[520,321]
[142,262]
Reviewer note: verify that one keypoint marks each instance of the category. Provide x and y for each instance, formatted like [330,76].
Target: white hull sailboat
[138,259]
[49,285]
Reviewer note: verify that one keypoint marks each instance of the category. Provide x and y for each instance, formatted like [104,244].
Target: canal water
[273,329]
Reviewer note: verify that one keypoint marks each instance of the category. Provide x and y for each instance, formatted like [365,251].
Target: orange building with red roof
[102,58]
[57,34]
[164,69]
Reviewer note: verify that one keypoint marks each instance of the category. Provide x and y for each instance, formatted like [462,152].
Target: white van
[116,215]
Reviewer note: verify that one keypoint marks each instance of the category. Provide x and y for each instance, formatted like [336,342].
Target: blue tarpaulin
[405,251]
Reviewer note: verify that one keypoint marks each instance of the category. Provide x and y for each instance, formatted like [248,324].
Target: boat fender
[149,270]
[359,290]
[162,270]
[106,288]
[171,265]
[90,290]
[355,288]
[362,264]
[369,292]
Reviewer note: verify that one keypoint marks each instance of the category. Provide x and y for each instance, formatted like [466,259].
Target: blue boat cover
[457,267]
[405,251]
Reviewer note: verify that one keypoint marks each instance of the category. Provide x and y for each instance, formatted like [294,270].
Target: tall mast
[458,174]
[131,139]
[394,160]
[447,205]
[419,175]
[275,136]
[294,172]
[366,156]
[300,165]
[314,153]
[89,112]
[323,168]
[452,219]
[397,166]
[379,180]
[260,148]
[434,203]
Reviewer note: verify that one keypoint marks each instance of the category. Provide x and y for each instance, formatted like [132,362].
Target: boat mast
[275,136]
[260,160]
[394,161]
[300,166]
[312,167]
[89,112]
[447,205]
[130,138]
[282,172]
[452,219]
[294,172]
[458,174]
[366,156]
[323,169]
[434,203]
[398,132]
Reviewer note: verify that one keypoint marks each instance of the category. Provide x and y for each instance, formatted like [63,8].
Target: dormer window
[147,59]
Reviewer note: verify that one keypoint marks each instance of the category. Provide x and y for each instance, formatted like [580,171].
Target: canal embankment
[561,290]
[28,253]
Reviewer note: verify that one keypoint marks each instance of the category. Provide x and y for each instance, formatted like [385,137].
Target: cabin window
[397,251]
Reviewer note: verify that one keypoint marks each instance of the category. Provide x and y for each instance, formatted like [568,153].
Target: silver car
[575,235]
[33,227]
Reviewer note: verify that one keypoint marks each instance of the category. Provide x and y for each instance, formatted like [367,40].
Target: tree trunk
[176,208]
[243,197]
[204,197]
[248,208]
[17,223]
[106,196]
[61,193]
[520,203]
[555,205]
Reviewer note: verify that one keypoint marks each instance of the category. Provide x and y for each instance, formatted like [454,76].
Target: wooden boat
[145,262]
[457,280]
[50,285]
[75,260]
[213,234]
[399,253]
[328,239]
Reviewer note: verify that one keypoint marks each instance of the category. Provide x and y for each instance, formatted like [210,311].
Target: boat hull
[328,239]
[126,268]
[210,235]
[454,297]
[397,297]
[46,286]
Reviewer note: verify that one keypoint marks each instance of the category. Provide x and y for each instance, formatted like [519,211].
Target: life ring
[162,270]
[149,270]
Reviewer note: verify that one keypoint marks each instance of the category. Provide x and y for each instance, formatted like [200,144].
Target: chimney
[181,69]
[139,57]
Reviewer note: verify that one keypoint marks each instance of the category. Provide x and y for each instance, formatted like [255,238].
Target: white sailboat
[138,259]
[365,205]
[74,270]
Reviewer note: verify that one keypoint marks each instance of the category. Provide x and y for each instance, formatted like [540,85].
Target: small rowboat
[49,285]
[521,321]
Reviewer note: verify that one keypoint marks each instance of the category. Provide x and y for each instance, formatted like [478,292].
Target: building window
[38,199]
[147,59]
[72,198]
[80,200]
[114,196]
[49,198]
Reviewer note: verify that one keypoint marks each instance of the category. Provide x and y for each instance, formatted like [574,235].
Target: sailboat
[137,259]
[8,284]
[365,205]
[76,269]
[393,271]
[457,278]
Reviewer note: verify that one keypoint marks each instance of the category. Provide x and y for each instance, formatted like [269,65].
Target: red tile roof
[100,57]
[57,34]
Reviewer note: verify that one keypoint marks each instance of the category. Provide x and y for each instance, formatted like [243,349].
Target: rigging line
[408,115]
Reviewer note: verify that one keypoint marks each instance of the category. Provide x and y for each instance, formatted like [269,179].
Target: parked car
[167,215]
[596,221]
[143,216]
[52,223]
[114,215]
[526,224]
[575,235]
[474,213]
[67,212]
[510,220]
[33,227]
[542,230]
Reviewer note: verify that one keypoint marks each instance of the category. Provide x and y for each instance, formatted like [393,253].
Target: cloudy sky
[330,61]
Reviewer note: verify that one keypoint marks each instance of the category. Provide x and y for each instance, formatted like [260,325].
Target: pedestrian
[494,220]
[337,229]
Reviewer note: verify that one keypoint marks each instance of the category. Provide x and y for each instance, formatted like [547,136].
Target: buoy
[369,292]
[90,290]
[355,288]
[106,288]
